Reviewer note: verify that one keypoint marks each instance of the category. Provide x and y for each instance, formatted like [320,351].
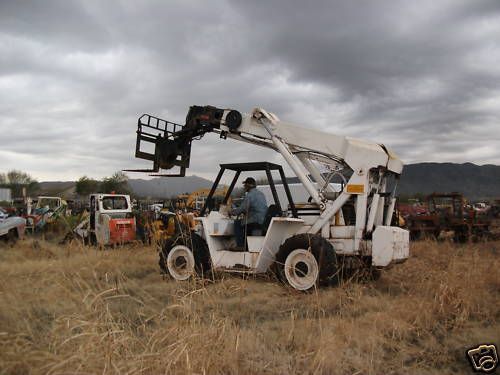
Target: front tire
[190,254]
[180,262]
[301,269]
[305,261]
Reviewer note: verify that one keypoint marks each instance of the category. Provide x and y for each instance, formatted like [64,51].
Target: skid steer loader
[109,222]
[307,243]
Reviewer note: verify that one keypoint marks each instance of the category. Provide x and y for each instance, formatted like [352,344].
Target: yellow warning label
[355,189]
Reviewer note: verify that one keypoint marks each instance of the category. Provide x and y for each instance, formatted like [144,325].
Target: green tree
[117,183]
[18,177]
[17,180]
[85,186]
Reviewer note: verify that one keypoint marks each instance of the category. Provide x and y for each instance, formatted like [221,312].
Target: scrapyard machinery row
[46,211]
[307,243]
[449,212]
[11,227]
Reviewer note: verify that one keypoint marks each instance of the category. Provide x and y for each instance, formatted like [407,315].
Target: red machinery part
[121,230]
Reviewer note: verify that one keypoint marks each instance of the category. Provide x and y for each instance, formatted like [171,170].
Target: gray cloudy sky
[420,76]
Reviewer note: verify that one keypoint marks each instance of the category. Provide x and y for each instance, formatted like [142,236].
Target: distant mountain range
[474,181]
[154,188]
[162,187]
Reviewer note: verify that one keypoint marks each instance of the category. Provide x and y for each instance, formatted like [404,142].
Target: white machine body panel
[389,244]
[218,232]
[357,153]
[102,229]
[279,230]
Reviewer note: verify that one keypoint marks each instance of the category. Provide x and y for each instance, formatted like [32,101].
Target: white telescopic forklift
[308,243]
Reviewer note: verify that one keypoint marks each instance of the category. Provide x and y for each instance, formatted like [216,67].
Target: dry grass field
[76,310]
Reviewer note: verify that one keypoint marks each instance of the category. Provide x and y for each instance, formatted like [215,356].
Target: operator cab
[219,223]
[238,168]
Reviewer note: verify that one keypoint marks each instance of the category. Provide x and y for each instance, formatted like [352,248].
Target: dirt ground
[78,310]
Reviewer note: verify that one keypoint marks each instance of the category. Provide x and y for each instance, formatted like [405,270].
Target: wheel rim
[301,269]
[180,262]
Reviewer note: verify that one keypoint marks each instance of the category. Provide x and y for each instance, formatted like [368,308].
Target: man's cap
[250,181]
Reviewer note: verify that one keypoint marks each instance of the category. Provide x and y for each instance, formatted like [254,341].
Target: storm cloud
[422,77]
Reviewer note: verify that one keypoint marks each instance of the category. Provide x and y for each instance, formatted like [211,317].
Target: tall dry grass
[73,309]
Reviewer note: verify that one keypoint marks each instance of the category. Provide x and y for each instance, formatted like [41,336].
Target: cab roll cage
[251,167]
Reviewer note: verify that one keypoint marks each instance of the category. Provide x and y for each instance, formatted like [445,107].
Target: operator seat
[272,211]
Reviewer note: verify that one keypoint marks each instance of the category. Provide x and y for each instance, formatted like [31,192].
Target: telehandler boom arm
[370,164]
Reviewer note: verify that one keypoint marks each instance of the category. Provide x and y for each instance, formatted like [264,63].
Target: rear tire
[301,271]
[12,236]
[461,235]
[91,239]
[415,235]
[195,244]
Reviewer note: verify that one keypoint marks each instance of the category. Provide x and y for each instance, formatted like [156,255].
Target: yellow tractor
[196,200]
[169,224]
[166,223]
[163,227]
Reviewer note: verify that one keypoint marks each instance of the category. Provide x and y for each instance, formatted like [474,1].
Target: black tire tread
[197,245]
[12,236]
[322,250]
